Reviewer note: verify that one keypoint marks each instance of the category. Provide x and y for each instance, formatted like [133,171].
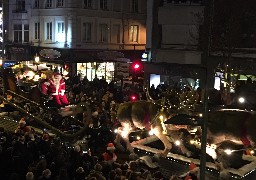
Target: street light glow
[241,100]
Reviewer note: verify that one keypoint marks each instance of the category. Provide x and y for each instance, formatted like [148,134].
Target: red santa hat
[111,146]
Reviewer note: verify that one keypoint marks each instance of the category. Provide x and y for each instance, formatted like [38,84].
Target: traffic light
[136,66]
[133,97]
[137,71]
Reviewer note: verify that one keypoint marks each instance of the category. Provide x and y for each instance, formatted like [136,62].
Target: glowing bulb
[115,131]
[138,137]
[161,117]
[241,100]
[200,115]
[151,132]
[177,143]
[252,151]
[228,151]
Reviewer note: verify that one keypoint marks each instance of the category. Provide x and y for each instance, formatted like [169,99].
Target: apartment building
[82,31]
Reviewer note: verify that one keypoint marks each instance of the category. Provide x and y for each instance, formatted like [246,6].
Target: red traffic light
[133,97]
[136,66]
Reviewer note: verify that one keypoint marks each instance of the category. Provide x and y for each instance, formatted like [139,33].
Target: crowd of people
[25,154]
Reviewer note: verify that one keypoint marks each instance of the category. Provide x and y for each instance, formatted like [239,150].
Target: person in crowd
[22,128]
[56,87]
[110,155]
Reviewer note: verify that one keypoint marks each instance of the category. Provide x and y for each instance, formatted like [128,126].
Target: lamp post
[37,59]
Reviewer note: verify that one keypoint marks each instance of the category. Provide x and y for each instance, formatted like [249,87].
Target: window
[87,32]
[115,34]
[104,4]
[60,32]
[49,31]
[26,33]
[60,3]
[60,26]
[36,4]
[17,29]
[87,3]
[134,33]
[103,33]
[37,30]
[20,5]
[21,33]
[48,4]
[135,6]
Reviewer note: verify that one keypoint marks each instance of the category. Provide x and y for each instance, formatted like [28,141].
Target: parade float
[174,125]
[23,84]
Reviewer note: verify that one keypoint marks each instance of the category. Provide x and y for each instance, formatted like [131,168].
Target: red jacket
[51,87]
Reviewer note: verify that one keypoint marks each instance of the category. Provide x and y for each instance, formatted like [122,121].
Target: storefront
[97,69]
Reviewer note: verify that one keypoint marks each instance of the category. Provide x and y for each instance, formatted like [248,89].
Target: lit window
[103,4]
[20,6]
[60,26]
[36,4]
[103,29]
[87,3]
[135,6]
[133,36]
[60,36]
[87,32]
[37,30]
[60,3]
[48,4]
[49,31]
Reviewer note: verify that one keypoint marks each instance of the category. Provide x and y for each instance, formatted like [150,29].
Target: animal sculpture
[149,115]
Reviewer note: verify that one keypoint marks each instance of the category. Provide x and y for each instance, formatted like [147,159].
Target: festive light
[241,99]
[177,143]
[228,151]
[151,132]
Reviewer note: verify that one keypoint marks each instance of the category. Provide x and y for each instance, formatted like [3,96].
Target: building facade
[82,31]
[173,37]
[177,27]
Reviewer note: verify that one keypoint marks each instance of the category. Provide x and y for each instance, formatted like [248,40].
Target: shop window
[135,6]
[103,29]
[103,4]
[87,29]
[49,31]
[133,35]
[37,30]
[93,69]
[60,3]
[87,4]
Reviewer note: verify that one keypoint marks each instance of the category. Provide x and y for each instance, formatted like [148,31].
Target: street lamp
[37,59]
